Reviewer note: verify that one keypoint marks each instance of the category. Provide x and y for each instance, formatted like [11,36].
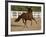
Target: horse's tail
[18,19]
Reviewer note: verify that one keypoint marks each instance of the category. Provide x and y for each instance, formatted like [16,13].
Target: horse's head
[29,10]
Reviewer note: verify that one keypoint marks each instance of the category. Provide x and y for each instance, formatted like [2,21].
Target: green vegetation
[24,8]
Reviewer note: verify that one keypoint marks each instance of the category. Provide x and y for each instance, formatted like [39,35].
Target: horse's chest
[28,17]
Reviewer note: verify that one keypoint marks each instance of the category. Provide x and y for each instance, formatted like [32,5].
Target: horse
[26,16]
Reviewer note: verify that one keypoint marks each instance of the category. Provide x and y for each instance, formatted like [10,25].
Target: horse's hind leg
[34,20]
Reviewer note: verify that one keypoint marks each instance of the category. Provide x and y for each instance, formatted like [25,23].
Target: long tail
[18,19]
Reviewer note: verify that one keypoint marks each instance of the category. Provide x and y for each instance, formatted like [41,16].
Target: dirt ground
[19,26]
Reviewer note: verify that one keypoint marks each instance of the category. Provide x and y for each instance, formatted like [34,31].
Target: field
[19,26]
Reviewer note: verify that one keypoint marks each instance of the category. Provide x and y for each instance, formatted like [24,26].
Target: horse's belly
[27,18]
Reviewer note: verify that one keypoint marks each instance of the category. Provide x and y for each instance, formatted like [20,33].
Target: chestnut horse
[26,16]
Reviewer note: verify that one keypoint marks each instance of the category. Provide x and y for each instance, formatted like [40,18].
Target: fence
[15,14]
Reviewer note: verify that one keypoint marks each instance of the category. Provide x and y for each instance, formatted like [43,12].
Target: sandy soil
[20,26]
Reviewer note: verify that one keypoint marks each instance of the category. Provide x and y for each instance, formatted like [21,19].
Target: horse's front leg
[34,20]
[31,22]
[25,24]
[23,20]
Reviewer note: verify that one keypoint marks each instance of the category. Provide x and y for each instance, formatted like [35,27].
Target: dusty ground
[19,26]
